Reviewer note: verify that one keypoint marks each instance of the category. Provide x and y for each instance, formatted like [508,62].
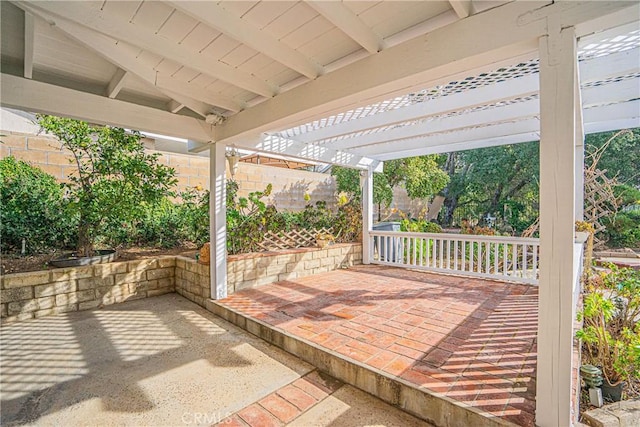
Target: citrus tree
[113,176]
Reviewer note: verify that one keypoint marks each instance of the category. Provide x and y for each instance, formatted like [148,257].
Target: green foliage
[623,229]
[419,226]
[114,176]
[248,219]
[621,158]
[499,181]
[32,208]
[611,332]
[348,181]
[421,175]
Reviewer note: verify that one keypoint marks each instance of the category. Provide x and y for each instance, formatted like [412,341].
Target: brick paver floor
[472,340]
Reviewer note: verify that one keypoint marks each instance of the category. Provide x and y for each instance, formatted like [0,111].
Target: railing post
[367,215]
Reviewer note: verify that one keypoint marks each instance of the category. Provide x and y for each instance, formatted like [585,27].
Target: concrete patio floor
[165,361]
[470,341]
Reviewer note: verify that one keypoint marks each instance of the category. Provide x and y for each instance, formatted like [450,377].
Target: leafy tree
[421,177]
[491,178]
[114,177]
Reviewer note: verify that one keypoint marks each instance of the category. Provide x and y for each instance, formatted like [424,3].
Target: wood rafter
[87,15]
[29,40]
[461,7]
[124,56]
[349,23]
[217,17]
[116,83]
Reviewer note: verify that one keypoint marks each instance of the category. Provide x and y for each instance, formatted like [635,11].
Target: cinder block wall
[289,185]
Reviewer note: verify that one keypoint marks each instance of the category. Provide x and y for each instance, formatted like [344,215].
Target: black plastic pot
[101,257]
[612,393]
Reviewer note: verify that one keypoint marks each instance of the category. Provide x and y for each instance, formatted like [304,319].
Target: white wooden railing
[506,258]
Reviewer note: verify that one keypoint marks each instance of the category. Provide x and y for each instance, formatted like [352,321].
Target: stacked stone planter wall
[41,293]
[29,295]
[253,270]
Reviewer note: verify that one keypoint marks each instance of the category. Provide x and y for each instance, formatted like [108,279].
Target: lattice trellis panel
[599,200]
[292,239]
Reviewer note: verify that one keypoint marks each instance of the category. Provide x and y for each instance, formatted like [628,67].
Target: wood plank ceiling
[212,61]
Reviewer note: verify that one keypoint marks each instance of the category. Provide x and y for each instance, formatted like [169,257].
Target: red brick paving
[473,340]
[286,403]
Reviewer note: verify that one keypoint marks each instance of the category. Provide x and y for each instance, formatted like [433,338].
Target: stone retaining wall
[35,294]
[29,295]
[253,270]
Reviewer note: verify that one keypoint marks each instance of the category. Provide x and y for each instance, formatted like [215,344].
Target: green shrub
[33,208]
[419,226]
[623,229]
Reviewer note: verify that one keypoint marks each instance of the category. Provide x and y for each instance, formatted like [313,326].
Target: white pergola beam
[476,118]
[558,83]
[613,95]
[398,69]
[523,86]
[217,17]
[613,65]
[87,14]
[616,64]
[30,95]
[29,42]
[116,83]
[349,23]
[290,148]
[461,146]
[597,119]
[461,7]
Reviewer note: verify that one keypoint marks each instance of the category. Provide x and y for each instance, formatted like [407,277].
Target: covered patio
[355,84]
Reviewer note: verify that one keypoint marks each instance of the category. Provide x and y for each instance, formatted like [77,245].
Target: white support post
[218,221]
[579,152]
[367,214]
[558,75]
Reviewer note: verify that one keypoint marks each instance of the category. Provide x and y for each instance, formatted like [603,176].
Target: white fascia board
[420,62]
[28,95]
[85,13]
[236,28]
